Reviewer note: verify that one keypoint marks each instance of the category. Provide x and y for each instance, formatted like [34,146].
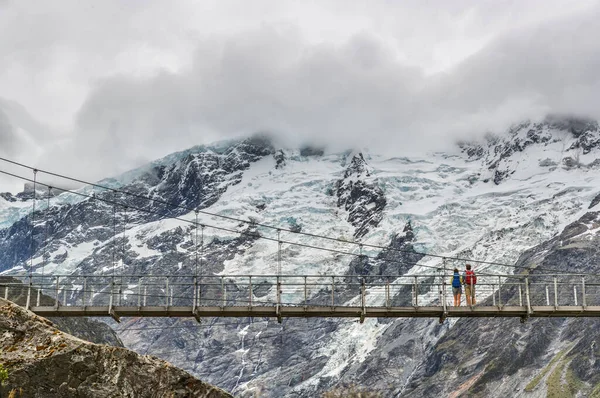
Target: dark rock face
[83,328]
[280,159]
[476,356]
[311,151]
[595,201]
[363,201]
[496,151]
[196,181]
[399,257]
[45,362]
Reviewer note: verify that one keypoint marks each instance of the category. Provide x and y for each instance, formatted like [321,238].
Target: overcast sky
[108,85]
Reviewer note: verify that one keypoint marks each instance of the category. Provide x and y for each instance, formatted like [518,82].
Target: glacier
[491,200]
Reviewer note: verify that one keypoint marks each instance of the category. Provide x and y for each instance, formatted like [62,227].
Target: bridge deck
[320,311]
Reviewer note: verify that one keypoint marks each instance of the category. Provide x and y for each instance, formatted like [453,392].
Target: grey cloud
[6,134]
[297,75]
[357,93]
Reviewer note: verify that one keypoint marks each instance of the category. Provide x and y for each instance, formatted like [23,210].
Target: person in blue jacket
[457,282]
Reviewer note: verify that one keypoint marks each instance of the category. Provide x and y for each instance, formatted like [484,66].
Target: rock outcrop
[44,362]
[363,199]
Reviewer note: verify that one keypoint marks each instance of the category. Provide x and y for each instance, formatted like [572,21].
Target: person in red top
[469,279]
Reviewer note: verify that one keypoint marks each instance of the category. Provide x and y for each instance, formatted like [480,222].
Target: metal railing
[333,292]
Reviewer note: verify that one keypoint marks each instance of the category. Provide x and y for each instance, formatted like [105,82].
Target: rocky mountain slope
[84,328]
[44,362]
[495,200]
[543,357]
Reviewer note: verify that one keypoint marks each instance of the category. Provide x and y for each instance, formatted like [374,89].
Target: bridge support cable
[114,247]
[121,286]
[195,298]
[279,288]
[182,207]
[31,243]
[45,254]
[155,200]
[108,201]
[201,263]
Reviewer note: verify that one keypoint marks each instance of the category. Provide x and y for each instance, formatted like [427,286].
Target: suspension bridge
[542,292]
[277,296]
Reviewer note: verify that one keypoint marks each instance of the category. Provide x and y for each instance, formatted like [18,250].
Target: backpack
[456,280]
[470,278]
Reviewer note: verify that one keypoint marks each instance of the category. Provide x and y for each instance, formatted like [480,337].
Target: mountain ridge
[444,203]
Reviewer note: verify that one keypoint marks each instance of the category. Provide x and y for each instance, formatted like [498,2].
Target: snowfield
[453,200]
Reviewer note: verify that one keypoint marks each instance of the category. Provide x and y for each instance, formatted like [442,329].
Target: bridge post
[305,294]
[195,311]
[387,293]
[84,291]
[575,293]
[444,292]
[223,292]
[520,296]
[493,295]
[332,292]
[555,293]
[27,304]
[499,292]
[111,310]
[110,298]
[529,311]
[139,300]
[278,306]
[167,295]
[547,296]
[583,298]
[250,291]
[56,301]
[39,294]
[416,293]
[363,301]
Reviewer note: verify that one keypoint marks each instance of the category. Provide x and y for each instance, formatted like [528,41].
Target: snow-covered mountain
[492,200]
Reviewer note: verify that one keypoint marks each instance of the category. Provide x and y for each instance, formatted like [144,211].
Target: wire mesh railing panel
[356,291]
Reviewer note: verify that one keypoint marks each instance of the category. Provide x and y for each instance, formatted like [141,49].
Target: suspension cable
[114,245]
[179,206]
[31,244]
[123,246]
[256,235]
[196,247]
[47,221]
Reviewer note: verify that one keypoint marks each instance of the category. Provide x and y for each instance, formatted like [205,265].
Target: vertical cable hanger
[123,246]
[45,254]
[114,245]
[32,224]
[196,244]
